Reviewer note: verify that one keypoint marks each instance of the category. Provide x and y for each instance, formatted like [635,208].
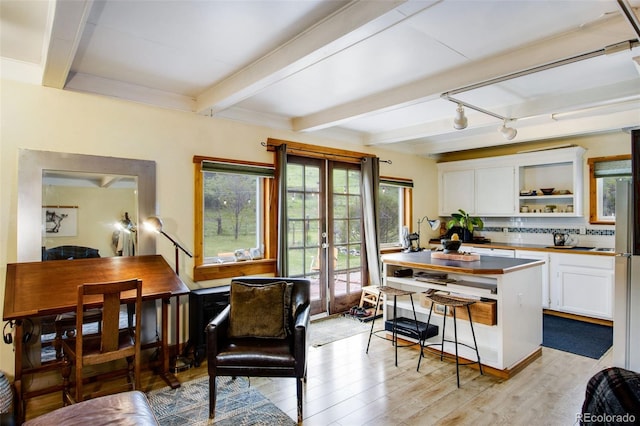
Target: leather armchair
[261,357]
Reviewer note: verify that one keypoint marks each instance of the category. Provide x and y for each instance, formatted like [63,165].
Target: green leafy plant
[464,221]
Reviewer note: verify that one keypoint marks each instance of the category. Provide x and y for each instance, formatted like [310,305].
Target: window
[603,173]
[394,201]
[232,206]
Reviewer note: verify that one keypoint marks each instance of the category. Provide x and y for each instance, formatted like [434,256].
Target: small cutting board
[465,257]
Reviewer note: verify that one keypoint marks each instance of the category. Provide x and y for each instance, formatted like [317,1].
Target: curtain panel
[369,185]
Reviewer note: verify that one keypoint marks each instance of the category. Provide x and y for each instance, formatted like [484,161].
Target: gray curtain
[282,260]
[370,175]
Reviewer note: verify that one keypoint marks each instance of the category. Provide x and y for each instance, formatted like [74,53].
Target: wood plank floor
[348,387]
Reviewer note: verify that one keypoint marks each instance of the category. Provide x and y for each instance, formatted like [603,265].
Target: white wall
[39,118]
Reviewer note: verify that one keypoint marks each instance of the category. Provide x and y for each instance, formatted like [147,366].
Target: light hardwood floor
[345,386]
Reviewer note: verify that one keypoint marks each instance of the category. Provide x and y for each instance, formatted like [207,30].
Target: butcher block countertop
[536,247]
[487,265]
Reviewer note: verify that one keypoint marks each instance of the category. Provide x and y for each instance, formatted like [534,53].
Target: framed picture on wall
[60,221]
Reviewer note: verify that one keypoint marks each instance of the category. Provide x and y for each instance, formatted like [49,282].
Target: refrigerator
[626,320]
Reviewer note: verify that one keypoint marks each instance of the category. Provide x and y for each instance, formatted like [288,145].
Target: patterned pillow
[260,310]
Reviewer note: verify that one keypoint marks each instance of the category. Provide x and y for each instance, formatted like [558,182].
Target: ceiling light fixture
[460,121]
[507,132]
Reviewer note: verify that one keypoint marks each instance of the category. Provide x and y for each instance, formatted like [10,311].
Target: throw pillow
[260,310]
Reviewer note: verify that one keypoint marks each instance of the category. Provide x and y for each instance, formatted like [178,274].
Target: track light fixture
[460,121]
[507,132]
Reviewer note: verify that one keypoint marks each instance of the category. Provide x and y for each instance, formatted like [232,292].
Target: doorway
[324,215]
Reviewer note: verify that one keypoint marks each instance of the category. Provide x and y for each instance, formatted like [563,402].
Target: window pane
[390,213]
[606,198]
[232,204]
[354,207]
[340,231]
[340,206]
[354,181]
[312,179]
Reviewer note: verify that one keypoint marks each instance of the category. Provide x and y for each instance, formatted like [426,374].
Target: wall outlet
[582,230]
[505,230]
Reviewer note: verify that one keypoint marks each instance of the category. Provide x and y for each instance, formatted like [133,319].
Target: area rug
[237,404]
[333,328]
[576,337]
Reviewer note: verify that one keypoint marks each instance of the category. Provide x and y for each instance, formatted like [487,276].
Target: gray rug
[330,329]
[237,404]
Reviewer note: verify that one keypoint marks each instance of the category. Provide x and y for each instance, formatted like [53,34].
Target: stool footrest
[429,348]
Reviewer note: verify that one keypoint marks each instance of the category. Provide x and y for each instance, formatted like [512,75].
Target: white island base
[514,284]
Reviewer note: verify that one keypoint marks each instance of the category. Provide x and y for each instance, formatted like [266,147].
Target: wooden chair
[111,344]
[66,323]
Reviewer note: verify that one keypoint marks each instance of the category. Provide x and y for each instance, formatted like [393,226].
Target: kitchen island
[507,291]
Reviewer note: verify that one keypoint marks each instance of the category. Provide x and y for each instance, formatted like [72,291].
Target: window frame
[266,265]
[593,185]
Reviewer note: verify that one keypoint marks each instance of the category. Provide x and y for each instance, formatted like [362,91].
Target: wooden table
[35,289]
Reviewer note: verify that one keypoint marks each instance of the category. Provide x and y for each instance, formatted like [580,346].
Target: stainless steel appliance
[626,326]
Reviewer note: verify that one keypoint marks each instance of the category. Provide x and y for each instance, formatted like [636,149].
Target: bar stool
[395,292]
[450,303]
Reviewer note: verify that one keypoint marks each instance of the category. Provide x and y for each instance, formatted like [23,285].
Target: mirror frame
[32,164]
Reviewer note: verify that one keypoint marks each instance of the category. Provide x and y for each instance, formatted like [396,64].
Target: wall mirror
[62,199]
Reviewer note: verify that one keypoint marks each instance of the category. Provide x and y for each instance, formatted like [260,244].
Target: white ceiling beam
[67,20]
[353,23]
[585,39]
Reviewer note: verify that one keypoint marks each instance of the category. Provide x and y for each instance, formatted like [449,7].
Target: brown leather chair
[238,345]
[111,344]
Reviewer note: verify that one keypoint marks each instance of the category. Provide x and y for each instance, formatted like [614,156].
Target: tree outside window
[231,216]
[394,201]
[603,174]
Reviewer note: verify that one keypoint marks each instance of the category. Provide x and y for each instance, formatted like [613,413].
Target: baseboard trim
[583,318]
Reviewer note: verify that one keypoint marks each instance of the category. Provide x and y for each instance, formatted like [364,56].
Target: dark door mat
[576,337]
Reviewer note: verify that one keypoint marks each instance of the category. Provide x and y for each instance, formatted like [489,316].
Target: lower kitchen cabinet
[539,255]
[582,284]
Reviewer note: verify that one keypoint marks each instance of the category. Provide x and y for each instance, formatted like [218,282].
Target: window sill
[233,269]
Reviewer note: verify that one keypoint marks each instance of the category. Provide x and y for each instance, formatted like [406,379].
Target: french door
[325,231]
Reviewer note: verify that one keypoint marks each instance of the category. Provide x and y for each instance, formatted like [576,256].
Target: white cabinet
[582,284]
[539,255]
[558,169]
[495,191]
[503,186]
[456,191]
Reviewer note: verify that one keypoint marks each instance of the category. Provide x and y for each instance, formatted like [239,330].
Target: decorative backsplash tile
[550,230]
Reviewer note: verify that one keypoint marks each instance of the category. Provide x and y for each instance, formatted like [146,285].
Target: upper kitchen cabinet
[477,187]
[560,173]
[456,189]
[495,191]
[511,185]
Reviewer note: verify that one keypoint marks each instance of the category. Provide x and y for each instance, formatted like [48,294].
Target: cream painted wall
[99,209]
[39,118]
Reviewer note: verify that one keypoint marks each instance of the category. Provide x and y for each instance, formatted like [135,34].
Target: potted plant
[466,223]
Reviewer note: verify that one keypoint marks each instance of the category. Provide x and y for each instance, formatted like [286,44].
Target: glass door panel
[305,209]
[324,231]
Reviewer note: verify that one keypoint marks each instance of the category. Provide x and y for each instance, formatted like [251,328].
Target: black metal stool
[450,302]
[395,292]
